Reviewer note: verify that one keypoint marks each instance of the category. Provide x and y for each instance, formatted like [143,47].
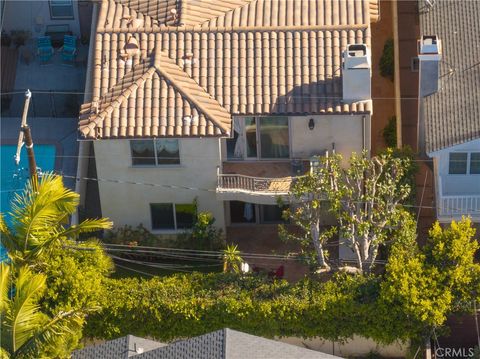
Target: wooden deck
[9,69]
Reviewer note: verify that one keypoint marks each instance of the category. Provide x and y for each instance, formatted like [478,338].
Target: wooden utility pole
[25,137]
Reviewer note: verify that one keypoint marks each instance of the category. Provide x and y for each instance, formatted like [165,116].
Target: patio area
[57,87]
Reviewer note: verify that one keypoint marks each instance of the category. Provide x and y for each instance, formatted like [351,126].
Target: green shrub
[387,67]
[390,132]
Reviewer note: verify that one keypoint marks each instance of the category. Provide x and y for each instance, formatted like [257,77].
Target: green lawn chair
[44,49]
[69,49]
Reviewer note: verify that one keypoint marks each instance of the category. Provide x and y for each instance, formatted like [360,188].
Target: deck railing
[456,206]
[243,183]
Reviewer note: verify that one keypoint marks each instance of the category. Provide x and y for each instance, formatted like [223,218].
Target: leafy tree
[428,284]
[26,331]
[364,199]
[40,216]
[41,238]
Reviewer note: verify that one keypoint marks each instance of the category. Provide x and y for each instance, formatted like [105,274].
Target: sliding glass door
[259,138]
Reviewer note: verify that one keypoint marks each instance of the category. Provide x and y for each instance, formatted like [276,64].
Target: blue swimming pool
[13,177]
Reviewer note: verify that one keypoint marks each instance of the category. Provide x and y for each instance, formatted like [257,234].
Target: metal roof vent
[356,73]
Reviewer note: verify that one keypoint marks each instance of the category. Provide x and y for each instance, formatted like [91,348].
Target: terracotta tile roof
[187,75]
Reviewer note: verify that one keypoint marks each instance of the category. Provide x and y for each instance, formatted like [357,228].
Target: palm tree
[26,331]
[40,216]
[232,259]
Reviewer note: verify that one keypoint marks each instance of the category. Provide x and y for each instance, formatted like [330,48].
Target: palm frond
[36,211]
[51,333]
[23,317]
[87,226]
[4,284]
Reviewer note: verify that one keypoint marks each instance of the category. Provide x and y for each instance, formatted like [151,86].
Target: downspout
[84,146]
[398,103]
[364,143]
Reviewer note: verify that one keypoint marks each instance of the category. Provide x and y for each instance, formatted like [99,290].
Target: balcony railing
[454,207]
[248,184]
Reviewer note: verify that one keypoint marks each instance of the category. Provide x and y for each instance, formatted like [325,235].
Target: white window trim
[469,161]
[156,157]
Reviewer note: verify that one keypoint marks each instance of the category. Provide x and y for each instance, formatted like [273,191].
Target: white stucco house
[222,103]
[449,106]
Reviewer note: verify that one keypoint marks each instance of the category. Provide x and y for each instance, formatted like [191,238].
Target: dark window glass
[271,214]
[61,9]
[274,137]
[162,216]
[185,215]
[458,163]
[242,212]
[167,152]
[143,153]
[475,163]
[231,145]
[251,136]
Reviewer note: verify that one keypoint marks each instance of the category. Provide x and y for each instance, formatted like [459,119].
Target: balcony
[259,182]
[454,207]
[457,197]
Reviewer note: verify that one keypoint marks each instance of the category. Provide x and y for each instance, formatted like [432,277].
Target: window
[475,163]
[259,137]
[464,163]
[61,9]
[243,212]
[271,214]
[170,216]
[155,152]
[458,163]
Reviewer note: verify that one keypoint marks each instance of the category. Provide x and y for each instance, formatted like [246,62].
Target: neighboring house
[54,17]
[222,103]
[449,107]
[222,344]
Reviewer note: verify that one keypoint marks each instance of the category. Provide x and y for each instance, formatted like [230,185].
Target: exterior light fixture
[311,124]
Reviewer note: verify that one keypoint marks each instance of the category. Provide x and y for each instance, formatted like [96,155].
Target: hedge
[187,305]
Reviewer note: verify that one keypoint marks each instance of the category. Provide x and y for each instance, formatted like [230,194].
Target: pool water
[13,178]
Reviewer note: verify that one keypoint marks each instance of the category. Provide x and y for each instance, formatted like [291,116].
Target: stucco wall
[456,184]
[345,131]
[129,203]
[22,15]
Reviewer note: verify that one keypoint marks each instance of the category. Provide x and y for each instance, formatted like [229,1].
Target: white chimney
[429,56]
[357,73]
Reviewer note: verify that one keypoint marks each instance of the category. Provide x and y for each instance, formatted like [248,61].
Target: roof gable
[247,57]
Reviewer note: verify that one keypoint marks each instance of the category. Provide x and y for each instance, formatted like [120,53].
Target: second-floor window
[61,9]
[259,138]
[155,152]
[462,163]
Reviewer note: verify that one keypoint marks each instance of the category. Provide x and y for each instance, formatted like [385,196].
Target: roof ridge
[95,119]
[185,7]
[163,70]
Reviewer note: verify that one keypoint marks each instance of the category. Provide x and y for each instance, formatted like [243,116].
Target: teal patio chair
[44,49]
[69,49]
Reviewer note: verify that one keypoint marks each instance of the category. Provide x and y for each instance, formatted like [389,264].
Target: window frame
[258,156]
[53,17]
[175,221]
[468,169]
[258,216]
[157,164]
[450,160]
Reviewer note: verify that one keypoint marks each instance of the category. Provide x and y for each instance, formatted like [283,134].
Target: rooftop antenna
[25,137]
